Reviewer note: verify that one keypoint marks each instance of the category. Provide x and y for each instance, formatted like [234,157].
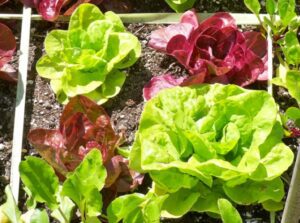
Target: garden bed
[43,110]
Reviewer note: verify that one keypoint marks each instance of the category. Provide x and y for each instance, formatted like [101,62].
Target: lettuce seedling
[288,74]
[214,50]
[7,50]
[86,59]
[221,141]
[82,187]
[84,125]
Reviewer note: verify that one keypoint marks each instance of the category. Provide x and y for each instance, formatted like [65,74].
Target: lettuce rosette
[210,142]
[87,58]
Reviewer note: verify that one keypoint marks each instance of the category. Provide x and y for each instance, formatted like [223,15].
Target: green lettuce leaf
[136,208]
[181,5]
[83,185]
[39,177]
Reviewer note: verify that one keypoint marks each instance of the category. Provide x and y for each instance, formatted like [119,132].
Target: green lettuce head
[87,58]
[210,142]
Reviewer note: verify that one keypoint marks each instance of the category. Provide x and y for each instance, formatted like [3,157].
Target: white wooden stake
[20,104]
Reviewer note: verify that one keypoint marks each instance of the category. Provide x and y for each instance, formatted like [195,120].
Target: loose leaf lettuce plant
[208,148]
[214,50]
[87,58]
[84,125]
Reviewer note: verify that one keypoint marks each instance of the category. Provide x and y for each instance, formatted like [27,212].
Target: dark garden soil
[43,111]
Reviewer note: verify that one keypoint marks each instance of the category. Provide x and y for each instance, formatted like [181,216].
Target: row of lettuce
[206,146]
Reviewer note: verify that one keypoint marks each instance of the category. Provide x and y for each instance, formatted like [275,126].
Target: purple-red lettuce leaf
[2,2]
[120,177]
[160,38]
[214,50]
[51,9]
[158,83]
[8,73]
[7,50]
[84,126]
[295,132]
[7,44]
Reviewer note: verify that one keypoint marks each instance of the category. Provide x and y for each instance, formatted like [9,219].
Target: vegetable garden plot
[132,102]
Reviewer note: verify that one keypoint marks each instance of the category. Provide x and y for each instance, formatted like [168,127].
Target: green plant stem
[104,216]
[286,179]
[82,213]
[62,214]
[281,61]
[272,217]
[261,23]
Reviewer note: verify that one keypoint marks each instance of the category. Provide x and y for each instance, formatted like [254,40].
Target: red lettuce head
[84,125]
[7,50]
[214,50]
[51,9]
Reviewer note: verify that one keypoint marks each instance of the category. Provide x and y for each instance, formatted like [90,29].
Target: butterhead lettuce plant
[87,58]
[209,142]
